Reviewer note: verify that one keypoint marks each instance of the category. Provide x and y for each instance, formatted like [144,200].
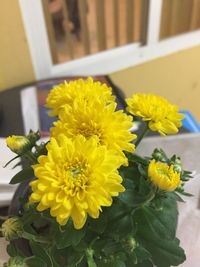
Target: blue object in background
[46,122]
[189,122]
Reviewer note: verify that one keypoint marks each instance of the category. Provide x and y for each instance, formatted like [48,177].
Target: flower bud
[18,144]
[12,228]
[177,161]
[163,175]
[177,166]
[132,243]
[15,262]
[33,137]
[158,155]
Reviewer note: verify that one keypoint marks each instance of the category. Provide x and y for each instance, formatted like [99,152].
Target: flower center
[89,130]
[164,172]
[75,172]
[76,178]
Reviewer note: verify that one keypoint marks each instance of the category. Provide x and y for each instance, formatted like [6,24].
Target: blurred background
[142,45]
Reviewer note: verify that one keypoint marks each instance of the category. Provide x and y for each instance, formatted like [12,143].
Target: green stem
[146,128]
[151,197]
[31,157]
[35,238]
[90,259]
[122,215]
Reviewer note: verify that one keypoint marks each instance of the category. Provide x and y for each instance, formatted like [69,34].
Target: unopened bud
[12,228]
[177,168]
[18,144]
[132,243]
[157,155]
[177,161]
[33,137]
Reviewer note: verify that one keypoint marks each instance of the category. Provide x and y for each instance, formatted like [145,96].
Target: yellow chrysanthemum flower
[162,116]
[163,175]
[18,144]
[95,119]
[66,93]
[76,178]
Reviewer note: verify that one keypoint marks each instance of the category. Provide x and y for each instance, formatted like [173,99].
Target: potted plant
[89,199]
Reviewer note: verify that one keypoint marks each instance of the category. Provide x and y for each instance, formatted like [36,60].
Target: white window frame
[103,62]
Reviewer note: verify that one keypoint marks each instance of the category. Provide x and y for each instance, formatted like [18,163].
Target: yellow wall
[15,62]
[176,77]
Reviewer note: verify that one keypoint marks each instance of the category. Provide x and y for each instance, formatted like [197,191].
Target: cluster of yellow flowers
[79,175]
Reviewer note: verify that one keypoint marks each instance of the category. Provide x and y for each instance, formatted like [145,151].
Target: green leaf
[119,220]
[41,252]
[120,225]
[137,159]
[69,236]
[181,191]
[82,246]
[156,233]
[124,226]
[129,184]
[142,254]
[143,264]
[59,257]
[177,197]
[117,263]
[113,263]
[162,221]
[129,173]
[112,247]
[75,258]
[12,250]
[165,253]
[132,259]
[132,198]
[99,225]
[22,176]
[99,246]
[11,161]
[35,261]
[55,264]
[159,155]
[142,170]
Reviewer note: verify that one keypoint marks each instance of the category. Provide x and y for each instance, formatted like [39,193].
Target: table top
[187,146]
